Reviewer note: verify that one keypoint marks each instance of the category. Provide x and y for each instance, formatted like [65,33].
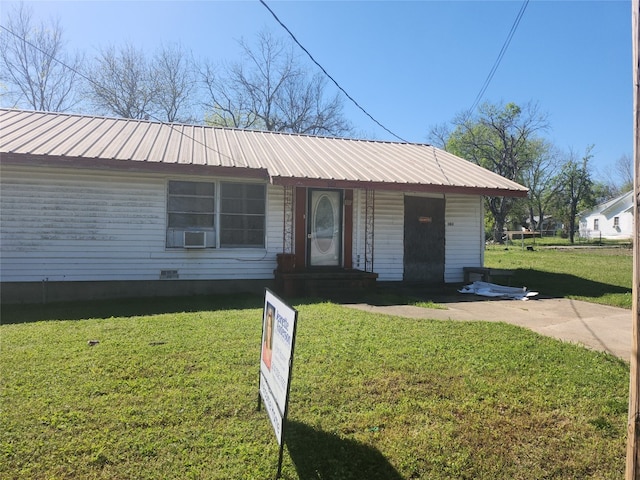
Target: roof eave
[9,158]
[394,186]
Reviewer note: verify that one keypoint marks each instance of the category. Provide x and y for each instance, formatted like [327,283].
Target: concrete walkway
[599,327]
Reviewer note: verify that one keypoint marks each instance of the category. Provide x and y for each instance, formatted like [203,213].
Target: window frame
[245,216]
[175,233]
[215,233]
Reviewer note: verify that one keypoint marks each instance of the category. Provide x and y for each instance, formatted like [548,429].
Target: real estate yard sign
[278,339]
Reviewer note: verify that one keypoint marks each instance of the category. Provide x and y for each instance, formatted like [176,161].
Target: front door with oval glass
[324,222]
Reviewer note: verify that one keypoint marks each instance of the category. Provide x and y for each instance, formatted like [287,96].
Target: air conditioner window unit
[195,239]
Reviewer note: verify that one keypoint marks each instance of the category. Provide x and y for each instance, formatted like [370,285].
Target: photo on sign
[267,340]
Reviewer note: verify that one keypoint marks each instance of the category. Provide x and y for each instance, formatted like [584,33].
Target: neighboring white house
[95,207]
[610,220]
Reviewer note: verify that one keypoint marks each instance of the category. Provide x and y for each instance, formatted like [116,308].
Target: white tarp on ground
[486,289]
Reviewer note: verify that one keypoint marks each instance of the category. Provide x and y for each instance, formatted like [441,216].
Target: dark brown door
[424,239]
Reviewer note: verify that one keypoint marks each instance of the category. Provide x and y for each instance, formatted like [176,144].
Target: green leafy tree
[575,190]
[501,138]
[539,177]
[604,191]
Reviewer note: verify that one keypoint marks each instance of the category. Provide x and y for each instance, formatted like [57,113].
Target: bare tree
[270,90]
[226,103]
[121,83]
[617,178]
[174,72]
[127,83]
[439,135]
[34,67]
[624,168]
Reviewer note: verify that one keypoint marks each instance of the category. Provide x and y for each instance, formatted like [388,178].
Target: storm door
[424,235]
[324,228]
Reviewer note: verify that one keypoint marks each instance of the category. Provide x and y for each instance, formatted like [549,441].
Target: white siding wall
[464,234]
[605,226]
[388,231]
[73,225]
[464,223]
[626,225]
[77,225]
[388,248]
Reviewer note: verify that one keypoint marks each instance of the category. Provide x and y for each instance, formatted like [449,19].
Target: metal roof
[286,159]
[624,201]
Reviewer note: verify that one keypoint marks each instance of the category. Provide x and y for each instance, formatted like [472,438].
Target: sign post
[276,359]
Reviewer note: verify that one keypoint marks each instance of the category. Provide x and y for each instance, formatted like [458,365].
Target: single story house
[95,207]
[611,220]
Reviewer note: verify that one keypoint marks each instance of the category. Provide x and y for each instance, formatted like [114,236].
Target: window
[242,218]
[191,208]
[211,214]
[616,222]
[596,226]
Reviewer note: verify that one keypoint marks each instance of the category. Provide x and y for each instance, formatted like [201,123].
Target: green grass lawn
[598,274]
[173,395]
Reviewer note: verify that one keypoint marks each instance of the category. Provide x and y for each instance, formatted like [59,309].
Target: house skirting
[324,283]
[48,292]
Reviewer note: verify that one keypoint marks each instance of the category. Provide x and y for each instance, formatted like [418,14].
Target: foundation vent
[169,275]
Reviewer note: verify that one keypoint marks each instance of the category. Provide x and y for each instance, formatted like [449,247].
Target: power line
[329,76]
[503,50]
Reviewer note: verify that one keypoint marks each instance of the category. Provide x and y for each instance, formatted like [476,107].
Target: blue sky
[412,64]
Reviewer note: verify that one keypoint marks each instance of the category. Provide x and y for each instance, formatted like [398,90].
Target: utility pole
[633,430]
